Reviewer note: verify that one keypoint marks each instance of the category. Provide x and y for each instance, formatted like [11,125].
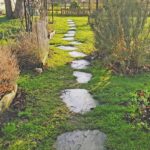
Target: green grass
[45,116]
[8,28]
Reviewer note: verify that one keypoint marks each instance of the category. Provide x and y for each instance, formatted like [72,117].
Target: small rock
[39,70]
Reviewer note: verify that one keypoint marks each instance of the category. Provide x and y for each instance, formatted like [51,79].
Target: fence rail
[78,12]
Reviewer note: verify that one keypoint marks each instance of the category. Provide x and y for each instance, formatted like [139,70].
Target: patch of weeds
[9,129]
[140,109]
[24,114]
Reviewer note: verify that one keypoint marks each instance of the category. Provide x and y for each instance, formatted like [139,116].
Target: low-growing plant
[122,35]
[140,109]
[9,70]
[9,129]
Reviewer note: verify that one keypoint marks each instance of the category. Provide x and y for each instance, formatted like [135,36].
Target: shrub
[27,51]
[9,71]
[122,35]
[74,5]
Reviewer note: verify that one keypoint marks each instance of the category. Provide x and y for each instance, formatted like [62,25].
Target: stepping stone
[73,28]
[72,25]
[69,35]
[71,32]
[68,38]
[77,54]
[67,48]
[80,64]
[75,43]
[70,20]
[78,100]
[81,140]
[82,77]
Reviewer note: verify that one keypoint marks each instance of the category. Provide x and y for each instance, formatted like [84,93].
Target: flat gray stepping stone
[78,100]
[69,35]
[81,140]
[82,77]
[75,43]
[71,32]
[77,54]
[69,20]
[72,28]
[68,38]
[72,25]
[80,64]
[67,48]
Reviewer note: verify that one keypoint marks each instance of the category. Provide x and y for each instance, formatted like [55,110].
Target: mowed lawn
[46,116]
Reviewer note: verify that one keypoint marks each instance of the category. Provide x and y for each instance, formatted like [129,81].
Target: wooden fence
[74,12]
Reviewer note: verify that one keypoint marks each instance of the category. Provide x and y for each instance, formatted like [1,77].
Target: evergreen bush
[122,35]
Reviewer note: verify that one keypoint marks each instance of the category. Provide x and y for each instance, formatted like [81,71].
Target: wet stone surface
[78,100]
[81,140]
[73,28]
[67,48]
[80,64]
[75,43]
[82,77]
[69,35]
[71,25]
[77,54]
[68,38]
[71,32]
[70,20]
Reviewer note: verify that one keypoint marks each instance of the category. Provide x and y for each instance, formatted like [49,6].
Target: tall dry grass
[9,70]
[27,51]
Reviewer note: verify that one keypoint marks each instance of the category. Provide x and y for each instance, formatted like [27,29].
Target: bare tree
[19,9]
[8,7]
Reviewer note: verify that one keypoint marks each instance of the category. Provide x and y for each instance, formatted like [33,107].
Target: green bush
[122,36]
[74,5]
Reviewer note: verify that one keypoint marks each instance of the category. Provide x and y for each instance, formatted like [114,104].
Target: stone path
[77,54]
[81,140]
[80,64]
[82,77]
[79,101]
[67,48]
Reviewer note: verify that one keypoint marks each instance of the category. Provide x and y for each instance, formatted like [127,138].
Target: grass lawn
[8,28]
[45,116]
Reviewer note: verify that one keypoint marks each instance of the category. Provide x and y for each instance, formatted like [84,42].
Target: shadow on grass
[3,19]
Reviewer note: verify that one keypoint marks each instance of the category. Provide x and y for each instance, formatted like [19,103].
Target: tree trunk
[97,4]
[89,6]
[8,7]
[19,9]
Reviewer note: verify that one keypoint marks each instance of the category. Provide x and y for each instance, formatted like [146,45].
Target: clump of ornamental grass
[9,71]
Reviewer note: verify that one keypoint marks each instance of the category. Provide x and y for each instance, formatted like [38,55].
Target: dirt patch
[17,105]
